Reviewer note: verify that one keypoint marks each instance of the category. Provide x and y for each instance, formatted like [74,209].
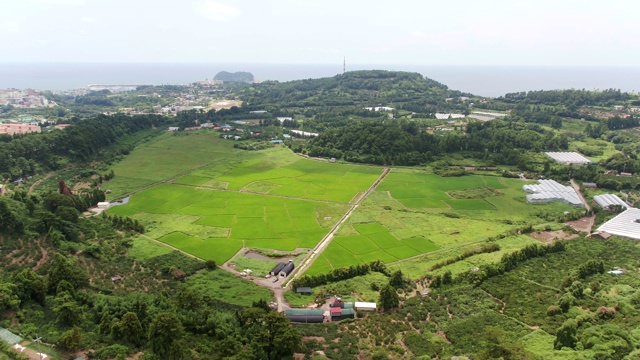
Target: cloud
[219,12]
[60,2]
[10,27]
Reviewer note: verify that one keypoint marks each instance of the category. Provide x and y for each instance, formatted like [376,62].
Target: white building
[365,306]
[568,158]
[550,190]
[627,224]
[605,201]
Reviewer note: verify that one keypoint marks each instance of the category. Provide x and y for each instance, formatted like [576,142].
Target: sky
[425,32]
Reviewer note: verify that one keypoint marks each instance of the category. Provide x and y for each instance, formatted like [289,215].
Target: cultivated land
[210,200]
[214,204]
[415,212]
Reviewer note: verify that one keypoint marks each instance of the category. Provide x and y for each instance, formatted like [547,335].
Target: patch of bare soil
[316,338]
[43,259]
[549,237]
[585,224]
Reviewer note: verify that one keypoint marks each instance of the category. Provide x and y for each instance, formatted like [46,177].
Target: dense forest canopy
[362,88]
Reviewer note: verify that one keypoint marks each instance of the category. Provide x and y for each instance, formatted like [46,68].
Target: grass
[228,288]
[415,212]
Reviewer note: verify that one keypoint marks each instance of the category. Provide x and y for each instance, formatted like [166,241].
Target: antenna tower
[344,65]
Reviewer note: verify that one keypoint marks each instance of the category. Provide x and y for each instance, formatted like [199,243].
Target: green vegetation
[457,260]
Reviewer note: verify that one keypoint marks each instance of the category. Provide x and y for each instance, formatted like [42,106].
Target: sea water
[490,81]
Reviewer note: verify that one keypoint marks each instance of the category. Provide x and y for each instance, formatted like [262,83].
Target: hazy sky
[426,32]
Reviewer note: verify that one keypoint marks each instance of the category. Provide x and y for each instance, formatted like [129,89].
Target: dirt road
[576,187]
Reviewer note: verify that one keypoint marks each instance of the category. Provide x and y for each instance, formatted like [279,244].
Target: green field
[413,213]
[215,199]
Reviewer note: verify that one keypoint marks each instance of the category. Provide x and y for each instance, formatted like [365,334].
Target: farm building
[607,200]
[303,290]
[550,190]
[568,158]
[365,306]
[276,141]
[276,270]
[627,224]
[287,269]
[588,185]
[336,313]
[103,205]
[305,315]
[348,314]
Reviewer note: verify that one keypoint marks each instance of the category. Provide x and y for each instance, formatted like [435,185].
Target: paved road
[326,240]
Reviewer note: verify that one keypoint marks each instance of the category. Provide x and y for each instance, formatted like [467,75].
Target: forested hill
[366,88]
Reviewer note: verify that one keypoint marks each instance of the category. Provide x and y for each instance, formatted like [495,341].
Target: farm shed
[627,224]
[336,312]
[365,306]
[605,201]
[277,141]
[588,185]
[550,190]
[276,270]
[287,269]
[303,290]
[305,315]
[103,205]
[348,314]
[568,158]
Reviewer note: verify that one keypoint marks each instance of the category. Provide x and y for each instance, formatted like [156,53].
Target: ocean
[489,81]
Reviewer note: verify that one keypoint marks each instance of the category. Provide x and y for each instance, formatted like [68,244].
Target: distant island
[240,76]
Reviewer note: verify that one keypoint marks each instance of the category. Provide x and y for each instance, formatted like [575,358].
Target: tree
[566,335]
[64,269]
[130,328]
[397,280]
[67,310]
[389,298]
[30,285]
[8,297]
[274,335]
[497,345]
[164,332]
[71,339]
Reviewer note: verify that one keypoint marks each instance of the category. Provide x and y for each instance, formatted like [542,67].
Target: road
[576,187]
[326,240]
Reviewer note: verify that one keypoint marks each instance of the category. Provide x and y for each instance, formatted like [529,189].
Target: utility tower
[344,65]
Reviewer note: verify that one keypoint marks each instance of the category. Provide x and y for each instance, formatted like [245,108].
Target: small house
[276,270]
[303,290]
[173,128]
[589,185]
[626,174]
[287,269]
